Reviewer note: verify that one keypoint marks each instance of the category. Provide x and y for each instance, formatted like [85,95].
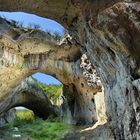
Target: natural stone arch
[24,52]
[99,28]
[29,95]
[18,56]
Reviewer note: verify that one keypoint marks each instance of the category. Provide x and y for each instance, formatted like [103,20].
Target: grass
[36,128]
[43,130]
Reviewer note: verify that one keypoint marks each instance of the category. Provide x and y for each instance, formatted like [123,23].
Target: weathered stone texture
[108,32]
[36,51]
[7,117]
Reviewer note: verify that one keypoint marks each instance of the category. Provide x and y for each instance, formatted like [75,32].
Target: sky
[27,19]
[45,24]
[46,78]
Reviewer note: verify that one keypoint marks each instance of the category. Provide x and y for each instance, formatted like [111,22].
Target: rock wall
[108,32]
[7,117]
[112,44]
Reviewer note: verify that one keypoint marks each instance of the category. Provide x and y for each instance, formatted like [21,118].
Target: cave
[29,95]
[106,33]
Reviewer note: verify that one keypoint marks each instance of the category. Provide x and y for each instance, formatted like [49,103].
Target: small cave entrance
[24,113]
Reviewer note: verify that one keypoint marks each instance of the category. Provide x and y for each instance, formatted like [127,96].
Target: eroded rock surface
[109,33]
[34,51]
[7,117]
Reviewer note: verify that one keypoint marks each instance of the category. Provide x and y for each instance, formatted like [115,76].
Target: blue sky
[46,78]
[27,19]
[45,24]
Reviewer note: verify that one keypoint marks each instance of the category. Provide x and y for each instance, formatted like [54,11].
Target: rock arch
[28,94]
[111,44]
[36,51]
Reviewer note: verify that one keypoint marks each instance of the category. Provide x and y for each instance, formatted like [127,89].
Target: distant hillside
[52,91]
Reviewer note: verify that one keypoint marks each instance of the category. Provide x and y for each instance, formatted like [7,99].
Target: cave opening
[54,89]
[43,103]
[84,111]
[108,31]
[51,86]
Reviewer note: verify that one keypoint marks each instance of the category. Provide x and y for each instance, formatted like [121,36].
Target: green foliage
[44,130]
[37,129]
[25,115]
[52,91]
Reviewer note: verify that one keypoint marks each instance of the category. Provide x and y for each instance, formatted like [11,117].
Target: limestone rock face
[7,117]
[113,46]
[108,32]
[89,72]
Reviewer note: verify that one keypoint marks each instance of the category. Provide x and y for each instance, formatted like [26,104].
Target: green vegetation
[42,130]
[27,115]
[52,91]
[35,128]
[29,126]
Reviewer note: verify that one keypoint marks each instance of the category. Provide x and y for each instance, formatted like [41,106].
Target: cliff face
[112,43]
[108,32]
